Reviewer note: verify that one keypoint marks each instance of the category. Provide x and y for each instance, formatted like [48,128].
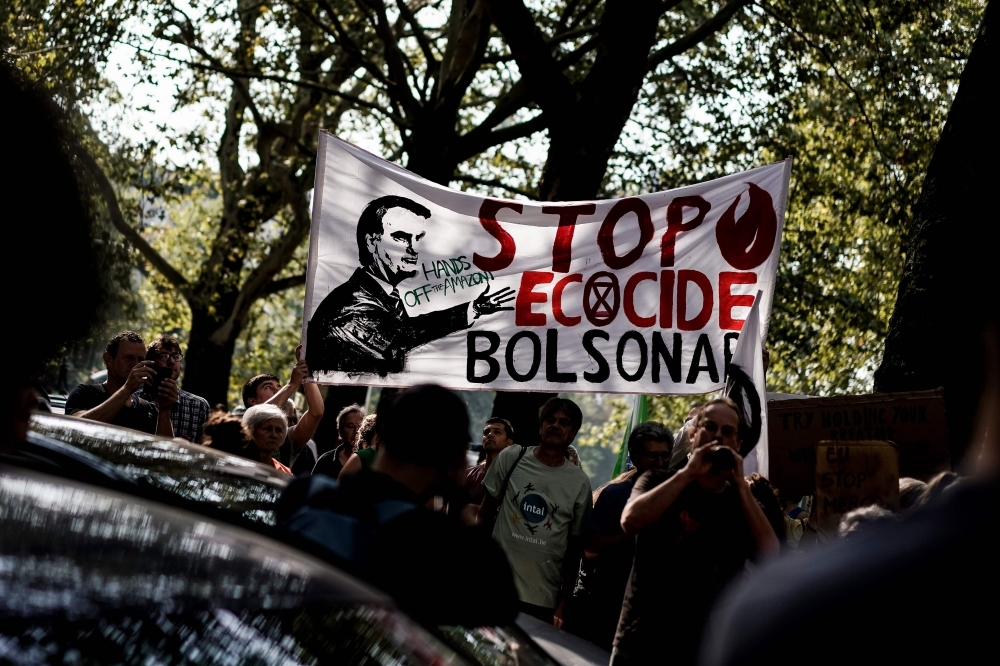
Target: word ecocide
[677,299]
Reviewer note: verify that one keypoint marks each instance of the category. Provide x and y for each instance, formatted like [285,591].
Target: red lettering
[629,296]
[700,280]
[728,300]
[746,243]
[562,253]
[488,218]
[557,291]
[676,224]
[526,296]
[606,240]
[666,299]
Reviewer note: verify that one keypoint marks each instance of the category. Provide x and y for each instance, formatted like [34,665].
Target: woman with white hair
[267,427]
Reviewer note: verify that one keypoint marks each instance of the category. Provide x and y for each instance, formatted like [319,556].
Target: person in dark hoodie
[381,524]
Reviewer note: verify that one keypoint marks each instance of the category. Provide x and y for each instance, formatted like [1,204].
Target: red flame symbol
[747,242]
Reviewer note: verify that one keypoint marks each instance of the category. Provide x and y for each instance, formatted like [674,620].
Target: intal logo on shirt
[534,508]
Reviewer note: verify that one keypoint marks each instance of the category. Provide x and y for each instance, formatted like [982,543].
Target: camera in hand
[159,373]
[722,459]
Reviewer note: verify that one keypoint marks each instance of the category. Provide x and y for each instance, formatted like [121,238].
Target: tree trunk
[209,361]
[943,303]
[583,136]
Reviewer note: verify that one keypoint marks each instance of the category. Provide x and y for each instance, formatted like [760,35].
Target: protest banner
[409,281]
[850,475]
[913,421]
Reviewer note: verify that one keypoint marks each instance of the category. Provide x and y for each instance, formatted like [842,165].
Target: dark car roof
[72,549]
[198,474]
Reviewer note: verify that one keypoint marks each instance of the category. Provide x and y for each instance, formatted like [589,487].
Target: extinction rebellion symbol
[601,287]
[534,508]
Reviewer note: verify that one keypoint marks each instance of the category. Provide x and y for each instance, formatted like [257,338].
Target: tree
[586,109]
[857,93]
[936,332]
[335,57]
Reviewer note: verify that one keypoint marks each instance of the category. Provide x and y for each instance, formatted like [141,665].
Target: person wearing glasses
[608,551]
[694,531]
[189,413]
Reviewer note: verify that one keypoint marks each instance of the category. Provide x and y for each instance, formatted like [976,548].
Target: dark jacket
[357,329]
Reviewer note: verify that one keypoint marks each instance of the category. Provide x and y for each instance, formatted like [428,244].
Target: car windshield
[192,472]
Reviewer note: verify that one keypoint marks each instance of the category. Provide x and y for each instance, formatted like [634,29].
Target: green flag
[639,415]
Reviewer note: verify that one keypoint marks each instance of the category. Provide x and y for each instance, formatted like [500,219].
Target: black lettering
[536,356]
[703,348]
[552,373]
[473,354]
[728,351]
[603,369]
[672,361]
[643,356]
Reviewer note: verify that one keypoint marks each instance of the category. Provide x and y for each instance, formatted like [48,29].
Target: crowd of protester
[633,566]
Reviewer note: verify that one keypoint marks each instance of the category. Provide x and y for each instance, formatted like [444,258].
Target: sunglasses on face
[655,456]
[712,427]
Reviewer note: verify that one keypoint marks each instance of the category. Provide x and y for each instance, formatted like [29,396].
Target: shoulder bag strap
[506,483]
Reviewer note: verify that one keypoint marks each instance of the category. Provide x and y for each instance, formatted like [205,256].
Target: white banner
[410,282]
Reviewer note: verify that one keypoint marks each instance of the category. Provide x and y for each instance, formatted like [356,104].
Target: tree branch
[418,32]
[281,284]
[540,70]
[394,59]
[700,34]
[277,78]
[107,192]
[474,142]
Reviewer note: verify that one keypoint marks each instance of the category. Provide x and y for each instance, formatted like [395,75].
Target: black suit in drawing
[359,328]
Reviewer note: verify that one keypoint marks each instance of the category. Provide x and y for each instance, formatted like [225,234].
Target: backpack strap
[506,483]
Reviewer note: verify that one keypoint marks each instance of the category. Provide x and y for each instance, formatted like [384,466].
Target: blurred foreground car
[93,576]
[236,490]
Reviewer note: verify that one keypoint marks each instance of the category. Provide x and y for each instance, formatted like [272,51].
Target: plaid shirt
[188,416]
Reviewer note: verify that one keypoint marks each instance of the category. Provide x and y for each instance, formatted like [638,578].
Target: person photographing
[695,529]
[116,400]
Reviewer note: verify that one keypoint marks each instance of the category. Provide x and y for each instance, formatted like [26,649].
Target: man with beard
[498,434]
[694,531]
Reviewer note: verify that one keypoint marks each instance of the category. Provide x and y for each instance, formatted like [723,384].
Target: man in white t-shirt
[542,511]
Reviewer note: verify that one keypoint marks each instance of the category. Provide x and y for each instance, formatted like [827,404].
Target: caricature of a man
[362,326]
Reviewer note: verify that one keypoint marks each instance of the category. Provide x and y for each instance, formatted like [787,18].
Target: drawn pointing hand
[486,304]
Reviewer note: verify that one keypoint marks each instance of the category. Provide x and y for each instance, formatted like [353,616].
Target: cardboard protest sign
[409,281]
[850,475]
[914,421]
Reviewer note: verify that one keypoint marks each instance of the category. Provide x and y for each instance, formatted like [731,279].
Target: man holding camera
[695,529]
[117,400]
[189,413]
